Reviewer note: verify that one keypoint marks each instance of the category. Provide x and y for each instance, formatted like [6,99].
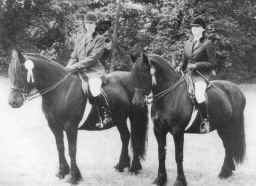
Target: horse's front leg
[72,142]
[63,165]
[160,135]
[124,160]
[178,136]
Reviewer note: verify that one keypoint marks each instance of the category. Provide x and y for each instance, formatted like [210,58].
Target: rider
[87,59]
[200,60]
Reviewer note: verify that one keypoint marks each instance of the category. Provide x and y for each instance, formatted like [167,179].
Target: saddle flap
[190,86]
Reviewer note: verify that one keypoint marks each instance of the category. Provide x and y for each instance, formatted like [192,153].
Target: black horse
[63,103]
[172,108]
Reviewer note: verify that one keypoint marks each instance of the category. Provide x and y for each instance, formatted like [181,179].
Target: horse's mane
[43,59]
[161,62]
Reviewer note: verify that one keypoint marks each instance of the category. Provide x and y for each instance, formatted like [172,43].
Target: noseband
[21,91]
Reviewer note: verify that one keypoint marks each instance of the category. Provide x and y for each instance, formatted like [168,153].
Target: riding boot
[103,109]
[205,125]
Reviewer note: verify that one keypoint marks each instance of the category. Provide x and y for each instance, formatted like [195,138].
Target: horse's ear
[145,59]
[17,57]
[133,58]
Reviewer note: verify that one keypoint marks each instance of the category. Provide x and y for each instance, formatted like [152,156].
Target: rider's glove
[191,67]
[71,69]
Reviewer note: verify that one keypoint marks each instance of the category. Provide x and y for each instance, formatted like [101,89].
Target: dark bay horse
[172,108]
[63,103]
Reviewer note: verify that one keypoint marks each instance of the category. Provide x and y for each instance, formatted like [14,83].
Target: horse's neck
[124,79]
[166,80]
[48,75]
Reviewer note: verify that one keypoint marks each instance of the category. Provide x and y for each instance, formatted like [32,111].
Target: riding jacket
[88,55]
[203,55]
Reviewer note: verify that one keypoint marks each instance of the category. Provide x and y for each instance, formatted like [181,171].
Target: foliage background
[158,26]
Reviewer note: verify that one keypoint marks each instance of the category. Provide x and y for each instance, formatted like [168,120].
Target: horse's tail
[139,126]
[238,141]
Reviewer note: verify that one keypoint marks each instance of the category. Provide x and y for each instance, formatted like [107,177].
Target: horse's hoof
[135,168]
[74,180]
[160,180]
[225,173]
[62,173]
[121,166]
[75,177]
[134,171]
[180,183]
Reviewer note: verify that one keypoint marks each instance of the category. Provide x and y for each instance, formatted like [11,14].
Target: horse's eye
[22,68]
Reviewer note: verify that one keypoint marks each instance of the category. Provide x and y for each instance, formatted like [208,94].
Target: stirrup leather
[205,126]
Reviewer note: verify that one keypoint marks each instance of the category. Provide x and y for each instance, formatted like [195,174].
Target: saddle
[190,85]
[97,97]
[85,82]
[196,118]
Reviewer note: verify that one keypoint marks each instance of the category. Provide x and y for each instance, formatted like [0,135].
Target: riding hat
[90,17]
[198,22]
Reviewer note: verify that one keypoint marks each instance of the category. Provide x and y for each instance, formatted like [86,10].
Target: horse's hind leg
[63,165]
[160,135]
[72,142]
[228,165]
[124,160]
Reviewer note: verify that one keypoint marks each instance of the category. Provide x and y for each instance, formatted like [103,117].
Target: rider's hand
[178,69]
[70,69]
[191,66]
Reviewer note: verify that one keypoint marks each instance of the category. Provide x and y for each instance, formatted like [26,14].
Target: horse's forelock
[15,63]
[15,71]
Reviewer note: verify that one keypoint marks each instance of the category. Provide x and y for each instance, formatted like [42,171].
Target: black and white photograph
[127,92]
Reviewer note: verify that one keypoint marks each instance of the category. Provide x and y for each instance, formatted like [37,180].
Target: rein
[168,90]
[171,88]
[28,97]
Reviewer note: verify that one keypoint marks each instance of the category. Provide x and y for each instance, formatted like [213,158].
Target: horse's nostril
[11,103]
[14,104]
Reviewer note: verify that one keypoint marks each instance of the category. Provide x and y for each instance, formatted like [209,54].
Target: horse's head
[31,71]
[21,77]
[151,73]
[142,79]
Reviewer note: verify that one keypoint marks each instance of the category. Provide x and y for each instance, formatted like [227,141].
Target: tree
[115,35]
[156,26]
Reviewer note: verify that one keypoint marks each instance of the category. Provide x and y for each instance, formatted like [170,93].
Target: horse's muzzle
[15,100]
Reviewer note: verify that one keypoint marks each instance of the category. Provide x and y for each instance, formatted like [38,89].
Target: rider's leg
[200,88]
[98,98]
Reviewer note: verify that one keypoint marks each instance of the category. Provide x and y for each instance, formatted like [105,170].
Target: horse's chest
[162,117]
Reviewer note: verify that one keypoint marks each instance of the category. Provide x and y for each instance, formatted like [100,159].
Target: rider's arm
[73,58]
[211,54]
[184,63]
[93,57]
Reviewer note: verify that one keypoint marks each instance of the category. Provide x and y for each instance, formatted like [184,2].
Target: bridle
[153,98]
[27,96]
[168,90]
